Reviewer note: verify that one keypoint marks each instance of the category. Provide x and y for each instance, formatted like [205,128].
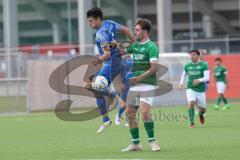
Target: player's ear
[145,31]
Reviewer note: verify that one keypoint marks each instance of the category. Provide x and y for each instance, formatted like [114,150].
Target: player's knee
[191,104]
[130,113]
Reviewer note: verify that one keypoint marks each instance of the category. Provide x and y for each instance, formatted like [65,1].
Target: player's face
[94,22]
[194,57]
[217,62]
[138,32]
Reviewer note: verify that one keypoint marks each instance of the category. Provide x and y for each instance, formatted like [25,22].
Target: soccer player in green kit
[198,74]
[220,73]
[142,85]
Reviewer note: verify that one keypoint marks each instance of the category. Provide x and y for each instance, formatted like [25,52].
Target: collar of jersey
[196,63]
[144,42]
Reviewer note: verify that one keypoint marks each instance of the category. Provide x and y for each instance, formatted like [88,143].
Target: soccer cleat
[216,107]
[104,126]
[133,147]
[201,119]
[192,125]
[154,146]
[118,120]
[225,107]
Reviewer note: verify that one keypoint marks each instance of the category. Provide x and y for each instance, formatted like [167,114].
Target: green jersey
[143,54]
[220,73]
[196,71]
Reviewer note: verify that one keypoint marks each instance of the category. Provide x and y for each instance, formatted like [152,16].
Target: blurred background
[36,36]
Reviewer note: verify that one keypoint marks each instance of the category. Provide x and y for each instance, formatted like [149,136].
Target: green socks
[135,135]
[225,100]
[191,115]
[149,126]
[201,113]
[219,99]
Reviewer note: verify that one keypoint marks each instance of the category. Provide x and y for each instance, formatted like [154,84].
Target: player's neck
[195,62]
[145,39]
[100,25]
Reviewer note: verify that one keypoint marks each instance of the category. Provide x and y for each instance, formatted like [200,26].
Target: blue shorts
[110,72]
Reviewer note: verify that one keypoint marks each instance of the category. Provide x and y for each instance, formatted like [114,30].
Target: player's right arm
[103,40]
[182,80]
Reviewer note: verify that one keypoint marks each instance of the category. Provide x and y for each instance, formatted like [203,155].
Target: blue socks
[120,111]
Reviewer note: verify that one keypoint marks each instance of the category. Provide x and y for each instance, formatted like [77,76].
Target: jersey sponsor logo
[194,73]
[217,73]
[139,57]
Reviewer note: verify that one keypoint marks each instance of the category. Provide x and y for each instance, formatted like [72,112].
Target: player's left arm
[124,30]
[226,76]
[205,78]
[152,70]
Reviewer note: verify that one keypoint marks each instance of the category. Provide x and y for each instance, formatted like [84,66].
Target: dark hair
[218,59]
[194,50]
[95,12]
[145,24]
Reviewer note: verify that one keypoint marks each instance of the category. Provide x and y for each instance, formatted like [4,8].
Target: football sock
[101,103]
[149,127]
[105,119]
[191,115]
[120,111]
[225,100]
[201,113]
[135,135]
[219,100]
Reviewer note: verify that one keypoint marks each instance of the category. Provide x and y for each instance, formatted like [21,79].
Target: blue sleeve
[116,26]
[104,37]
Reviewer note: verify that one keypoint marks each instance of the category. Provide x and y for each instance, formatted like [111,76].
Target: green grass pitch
[41,136]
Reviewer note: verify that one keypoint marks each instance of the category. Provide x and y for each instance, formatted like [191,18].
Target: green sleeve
[224,70]
[185,68]
[205,67]
[153,52]
[130,49]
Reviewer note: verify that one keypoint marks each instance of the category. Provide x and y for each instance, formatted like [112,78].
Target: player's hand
[96,61]
[196,82]
[122,51]
[180,86]
[133,81]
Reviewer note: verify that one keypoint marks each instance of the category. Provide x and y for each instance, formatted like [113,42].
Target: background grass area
[42,136]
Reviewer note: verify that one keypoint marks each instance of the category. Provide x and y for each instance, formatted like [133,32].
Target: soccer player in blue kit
[108,53]
[126,74]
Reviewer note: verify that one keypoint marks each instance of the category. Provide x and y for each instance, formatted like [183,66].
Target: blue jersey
[104,37]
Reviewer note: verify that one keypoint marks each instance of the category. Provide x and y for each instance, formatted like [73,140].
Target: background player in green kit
[198,74]
[220,73]
[142,85]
